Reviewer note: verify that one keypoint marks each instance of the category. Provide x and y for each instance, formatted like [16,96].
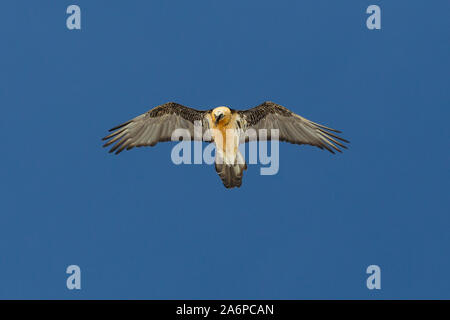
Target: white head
[221,115]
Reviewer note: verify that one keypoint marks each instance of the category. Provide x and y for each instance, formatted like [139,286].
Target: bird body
[229,162]
[227,128]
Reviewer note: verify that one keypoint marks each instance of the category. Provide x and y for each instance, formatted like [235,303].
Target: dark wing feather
[155,126]
[292,127]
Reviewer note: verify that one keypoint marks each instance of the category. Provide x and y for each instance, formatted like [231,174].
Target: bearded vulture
[227,128]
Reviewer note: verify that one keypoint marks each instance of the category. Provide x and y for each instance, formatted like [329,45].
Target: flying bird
[228,129]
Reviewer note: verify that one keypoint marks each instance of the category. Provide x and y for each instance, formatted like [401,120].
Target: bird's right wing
[157,125]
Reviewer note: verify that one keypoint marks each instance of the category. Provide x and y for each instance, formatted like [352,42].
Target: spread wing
[155,126]
[292,127]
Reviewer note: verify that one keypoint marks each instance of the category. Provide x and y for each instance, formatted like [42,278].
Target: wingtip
[120,125]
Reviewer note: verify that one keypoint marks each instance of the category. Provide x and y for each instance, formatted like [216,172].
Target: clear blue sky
[141,227]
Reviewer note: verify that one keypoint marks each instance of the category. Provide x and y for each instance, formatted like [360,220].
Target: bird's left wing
[157,125]
[291,127]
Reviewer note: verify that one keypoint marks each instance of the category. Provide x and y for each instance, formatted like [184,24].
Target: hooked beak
[220,117]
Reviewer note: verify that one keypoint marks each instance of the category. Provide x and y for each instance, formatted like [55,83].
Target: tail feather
[231,174]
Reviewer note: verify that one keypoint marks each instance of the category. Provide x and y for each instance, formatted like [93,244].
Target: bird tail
[231,173]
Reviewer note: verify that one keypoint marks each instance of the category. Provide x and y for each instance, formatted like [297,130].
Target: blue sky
[141,227]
